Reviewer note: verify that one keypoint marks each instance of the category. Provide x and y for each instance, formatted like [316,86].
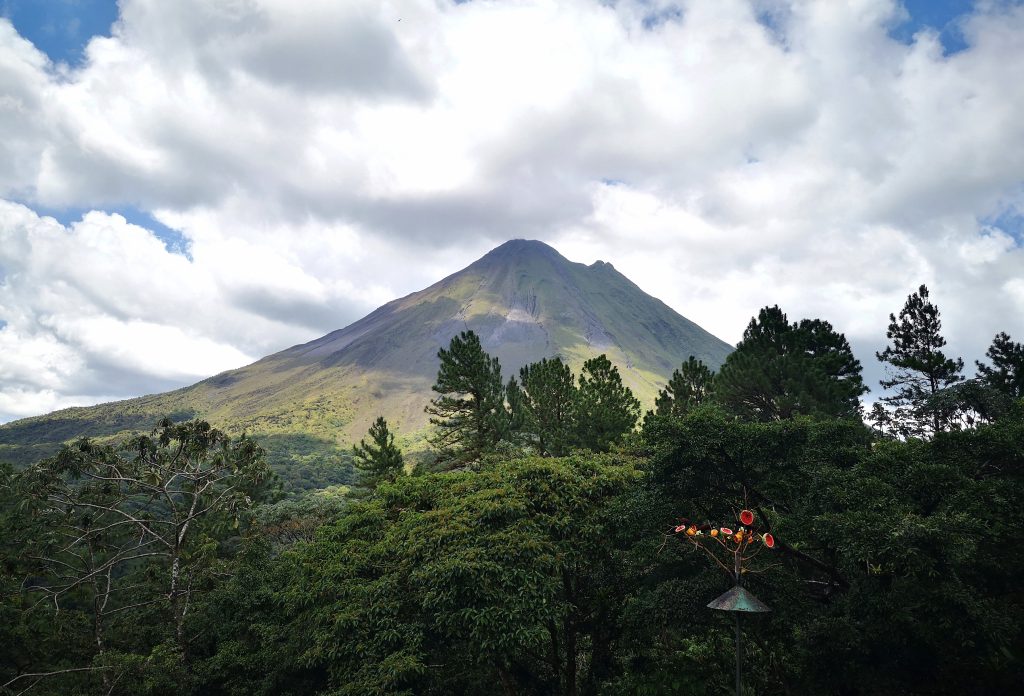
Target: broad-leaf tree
[894,569]
[467,582]
[132,530]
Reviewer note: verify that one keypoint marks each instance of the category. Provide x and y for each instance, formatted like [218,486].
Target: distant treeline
[545,548]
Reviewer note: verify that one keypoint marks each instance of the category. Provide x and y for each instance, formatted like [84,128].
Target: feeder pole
[738,600]
[738,654]
[739,658]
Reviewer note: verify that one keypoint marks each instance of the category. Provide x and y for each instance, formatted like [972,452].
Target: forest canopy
[545,550]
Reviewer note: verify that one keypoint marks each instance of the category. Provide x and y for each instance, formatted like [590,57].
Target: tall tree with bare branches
[134,529]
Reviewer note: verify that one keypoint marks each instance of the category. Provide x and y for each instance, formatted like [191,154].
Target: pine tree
[549,394]
[470,410]
[380,459]
[689,386]
[517,414]
[780,370]
[918,369]
[605,409]
[882,423]
[1007,371]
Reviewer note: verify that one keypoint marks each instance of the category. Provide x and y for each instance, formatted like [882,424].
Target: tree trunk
[569,637]
[556,658]
[600,654]
[569,634]
[177,605]
[99,603]
[507,685]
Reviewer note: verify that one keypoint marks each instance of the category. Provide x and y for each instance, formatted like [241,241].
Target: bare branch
[41,675]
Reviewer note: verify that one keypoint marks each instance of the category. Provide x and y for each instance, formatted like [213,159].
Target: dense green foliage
[605,408]
[380,459]
[548,412]
[494,581]
[116,545]
[547,567]
[898,566]
[896,571]
[469,411]
[549,399]
[690,386]
[780,370]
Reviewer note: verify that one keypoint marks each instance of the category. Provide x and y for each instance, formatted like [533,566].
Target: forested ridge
[544,548]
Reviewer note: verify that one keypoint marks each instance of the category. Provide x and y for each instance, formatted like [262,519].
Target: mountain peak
[523,245]
[518,249]
[523,299]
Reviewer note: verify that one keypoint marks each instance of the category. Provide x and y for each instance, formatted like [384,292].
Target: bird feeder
[736,546]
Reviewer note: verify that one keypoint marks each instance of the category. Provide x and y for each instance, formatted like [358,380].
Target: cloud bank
[321,158]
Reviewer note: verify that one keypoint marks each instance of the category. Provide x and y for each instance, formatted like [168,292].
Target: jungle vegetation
[538,553]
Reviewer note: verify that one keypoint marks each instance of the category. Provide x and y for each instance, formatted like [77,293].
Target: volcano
[525,301]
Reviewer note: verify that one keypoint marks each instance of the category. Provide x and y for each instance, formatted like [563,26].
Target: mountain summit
[525,301]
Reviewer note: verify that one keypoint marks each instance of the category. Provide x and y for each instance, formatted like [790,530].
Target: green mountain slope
[523,298]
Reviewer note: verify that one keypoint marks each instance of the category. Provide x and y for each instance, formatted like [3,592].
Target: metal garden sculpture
[731,550]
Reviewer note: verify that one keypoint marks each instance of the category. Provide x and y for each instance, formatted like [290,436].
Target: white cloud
[323,161]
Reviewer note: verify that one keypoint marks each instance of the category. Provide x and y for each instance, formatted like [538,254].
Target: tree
[690,386]
[780,370]
[917,367]
[882,423]
[605,408]
[516,414]
[1007,371]
[470,412]
[890,553]
[380,459]
[549,394]
[133,530]
[485,573]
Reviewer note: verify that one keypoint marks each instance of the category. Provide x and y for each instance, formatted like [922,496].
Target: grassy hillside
[309,402]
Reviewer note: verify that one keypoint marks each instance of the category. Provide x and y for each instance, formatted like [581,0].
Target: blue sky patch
[60,28]
[774,20]
[3,324]
[940,15]
[1010,221]
[654,20]
[174,241]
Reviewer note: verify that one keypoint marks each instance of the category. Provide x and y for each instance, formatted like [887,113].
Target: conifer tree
[689,386]
[605,408]
[517,414]
[780,370]
[550,392]
[917,367]
[380,459]
[1007,371]
[469,413]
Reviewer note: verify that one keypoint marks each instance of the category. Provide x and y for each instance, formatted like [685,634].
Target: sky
[188,186]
